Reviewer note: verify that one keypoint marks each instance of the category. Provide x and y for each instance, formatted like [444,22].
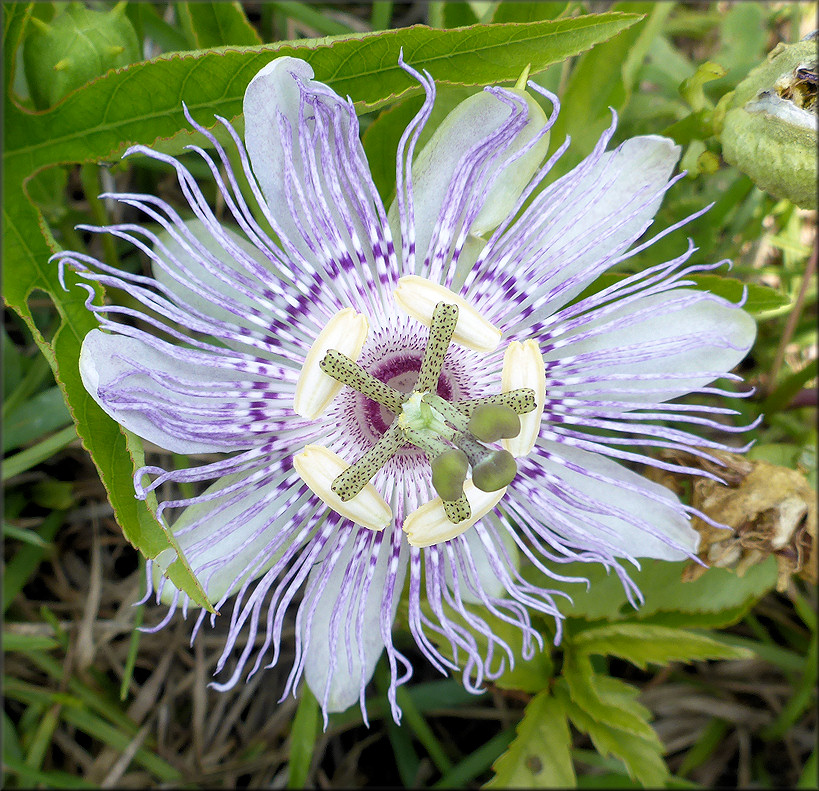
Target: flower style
[407,393]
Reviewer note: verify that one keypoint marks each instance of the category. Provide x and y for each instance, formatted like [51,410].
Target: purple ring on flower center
[396,359]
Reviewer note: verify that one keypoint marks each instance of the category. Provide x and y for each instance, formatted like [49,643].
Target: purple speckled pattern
[205,358]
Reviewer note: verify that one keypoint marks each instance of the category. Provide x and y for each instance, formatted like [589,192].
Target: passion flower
[408,401]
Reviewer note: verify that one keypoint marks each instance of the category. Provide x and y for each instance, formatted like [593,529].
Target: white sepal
[318,467]
[523,367]
[315,390]
[417,297]
[429,524]
[441,161]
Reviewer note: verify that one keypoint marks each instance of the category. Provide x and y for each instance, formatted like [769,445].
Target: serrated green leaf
[592,702]
[583,685]
[46,190]
[643,761]
[365,66]
[26,254]
[539,757]
[216,24]
[169,555]
[643,644]
[700,620]
[716,590]
[620,693]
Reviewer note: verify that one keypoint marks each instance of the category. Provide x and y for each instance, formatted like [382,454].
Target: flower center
[400,371]
[452,434]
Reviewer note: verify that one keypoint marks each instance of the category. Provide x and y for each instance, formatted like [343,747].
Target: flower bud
[77,46]
[770,127]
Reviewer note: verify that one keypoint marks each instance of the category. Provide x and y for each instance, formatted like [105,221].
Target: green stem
[427,441]
[312,18]
[449,412]
[381,15]
[89,177]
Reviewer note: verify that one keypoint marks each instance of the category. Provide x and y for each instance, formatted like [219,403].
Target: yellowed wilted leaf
[771,510]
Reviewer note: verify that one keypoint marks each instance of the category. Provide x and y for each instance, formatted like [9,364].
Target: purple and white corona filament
[407,401]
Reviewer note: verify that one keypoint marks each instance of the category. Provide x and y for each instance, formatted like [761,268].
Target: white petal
[192,261]
[315,390]
[523,367]
[640,165]
[248,538]
[345,685]
[429,524]
[664,515]
[712,322]
[100,364]
[633,173]
[472,121]
[272,91]
[417,297]
[318,467]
